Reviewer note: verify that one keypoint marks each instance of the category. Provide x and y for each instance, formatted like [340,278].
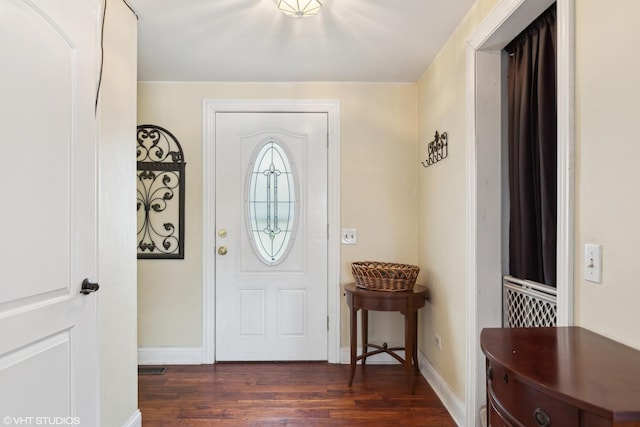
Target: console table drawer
[526,405]
[380,303]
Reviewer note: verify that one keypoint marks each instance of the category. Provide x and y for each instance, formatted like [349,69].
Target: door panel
[42,56]
[271,311]
[47,358]
[48,347]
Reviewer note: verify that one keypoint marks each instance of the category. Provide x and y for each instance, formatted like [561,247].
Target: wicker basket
[384,276]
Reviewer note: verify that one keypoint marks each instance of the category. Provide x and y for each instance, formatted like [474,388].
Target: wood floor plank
[287,394]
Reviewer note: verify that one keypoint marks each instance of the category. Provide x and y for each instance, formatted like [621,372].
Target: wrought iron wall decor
[437,150]
[160,202]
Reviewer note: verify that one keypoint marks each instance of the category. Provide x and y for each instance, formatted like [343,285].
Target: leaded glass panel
[271,202]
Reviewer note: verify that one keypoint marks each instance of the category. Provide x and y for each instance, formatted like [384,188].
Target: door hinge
[328,235]
[327,323]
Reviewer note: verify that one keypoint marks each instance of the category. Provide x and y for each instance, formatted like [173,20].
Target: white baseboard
[170,356]
[135,420]
[454,405]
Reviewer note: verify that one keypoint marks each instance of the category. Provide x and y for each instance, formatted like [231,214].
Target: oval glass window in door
[272,202]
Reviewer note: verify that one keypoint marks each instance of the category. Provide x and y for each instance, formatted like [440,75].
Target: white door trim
[506,21]
[209,109]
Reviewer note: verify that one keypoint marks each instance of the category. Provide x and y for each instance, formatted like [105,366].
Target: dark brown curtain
[532,151]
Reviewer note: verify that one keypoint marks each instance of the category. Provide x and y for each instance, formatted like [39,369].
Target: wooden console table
[407,303]
[562,377]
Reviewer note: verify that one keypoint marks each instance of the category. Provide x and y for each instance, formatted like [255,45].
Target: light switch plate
[593,263]
[349,236]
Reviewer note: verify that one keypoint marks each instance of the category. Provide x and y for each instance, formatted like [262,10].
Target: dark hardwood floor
[287,394]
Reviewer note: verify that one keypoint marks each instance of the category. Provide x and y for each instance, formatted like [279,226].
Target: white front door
[48,343]
[271,242]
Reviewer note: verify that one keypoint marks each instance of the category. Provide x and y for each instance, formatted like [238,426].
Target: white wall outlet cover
[438,341]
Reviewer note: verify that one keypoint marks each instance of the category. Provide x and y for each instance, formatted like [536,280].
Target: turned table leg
[415,342]
[365,335]
[354,341]
[408,350]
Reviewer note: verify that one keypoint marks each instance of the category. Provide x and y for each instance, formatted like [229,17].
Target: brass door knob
[222,250]
[222,232]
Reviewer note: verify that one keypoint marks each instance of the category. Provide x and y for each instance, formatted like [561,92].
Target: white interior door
[271,243]
[48,345]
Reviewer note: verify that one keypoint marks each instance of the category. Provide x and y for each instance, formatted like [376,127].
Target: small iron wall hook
[437,150]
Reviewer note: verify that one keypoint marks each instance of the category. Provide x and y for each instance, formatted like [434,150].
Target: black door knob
[88,287]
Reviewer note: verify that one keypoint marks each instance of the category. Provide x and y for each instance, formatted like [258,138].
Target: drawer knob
[541,418]
[505,378]
[489,373]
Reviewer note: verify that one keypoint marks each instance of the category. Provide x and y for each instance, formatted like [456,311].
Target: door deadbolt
[222,250]
[222,232]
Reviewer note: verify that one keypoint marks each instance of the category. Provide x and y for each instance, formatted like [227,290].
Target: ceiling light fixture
[299,8]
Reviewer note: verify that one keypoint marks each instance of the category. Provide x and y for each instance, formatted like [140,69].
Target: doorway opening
[485,183]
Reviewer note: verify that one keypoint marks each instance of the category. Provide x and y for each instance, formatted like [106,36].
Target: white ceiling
[252,41]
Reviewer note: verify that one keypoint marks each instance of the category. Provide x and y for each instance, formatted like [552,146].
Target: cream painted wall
[378,192]
[442,205]
[607,89]
[117,297]
[607,173]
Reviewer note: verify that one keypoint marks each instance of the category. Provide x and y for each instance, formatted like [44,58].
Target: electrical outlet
[438,342]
